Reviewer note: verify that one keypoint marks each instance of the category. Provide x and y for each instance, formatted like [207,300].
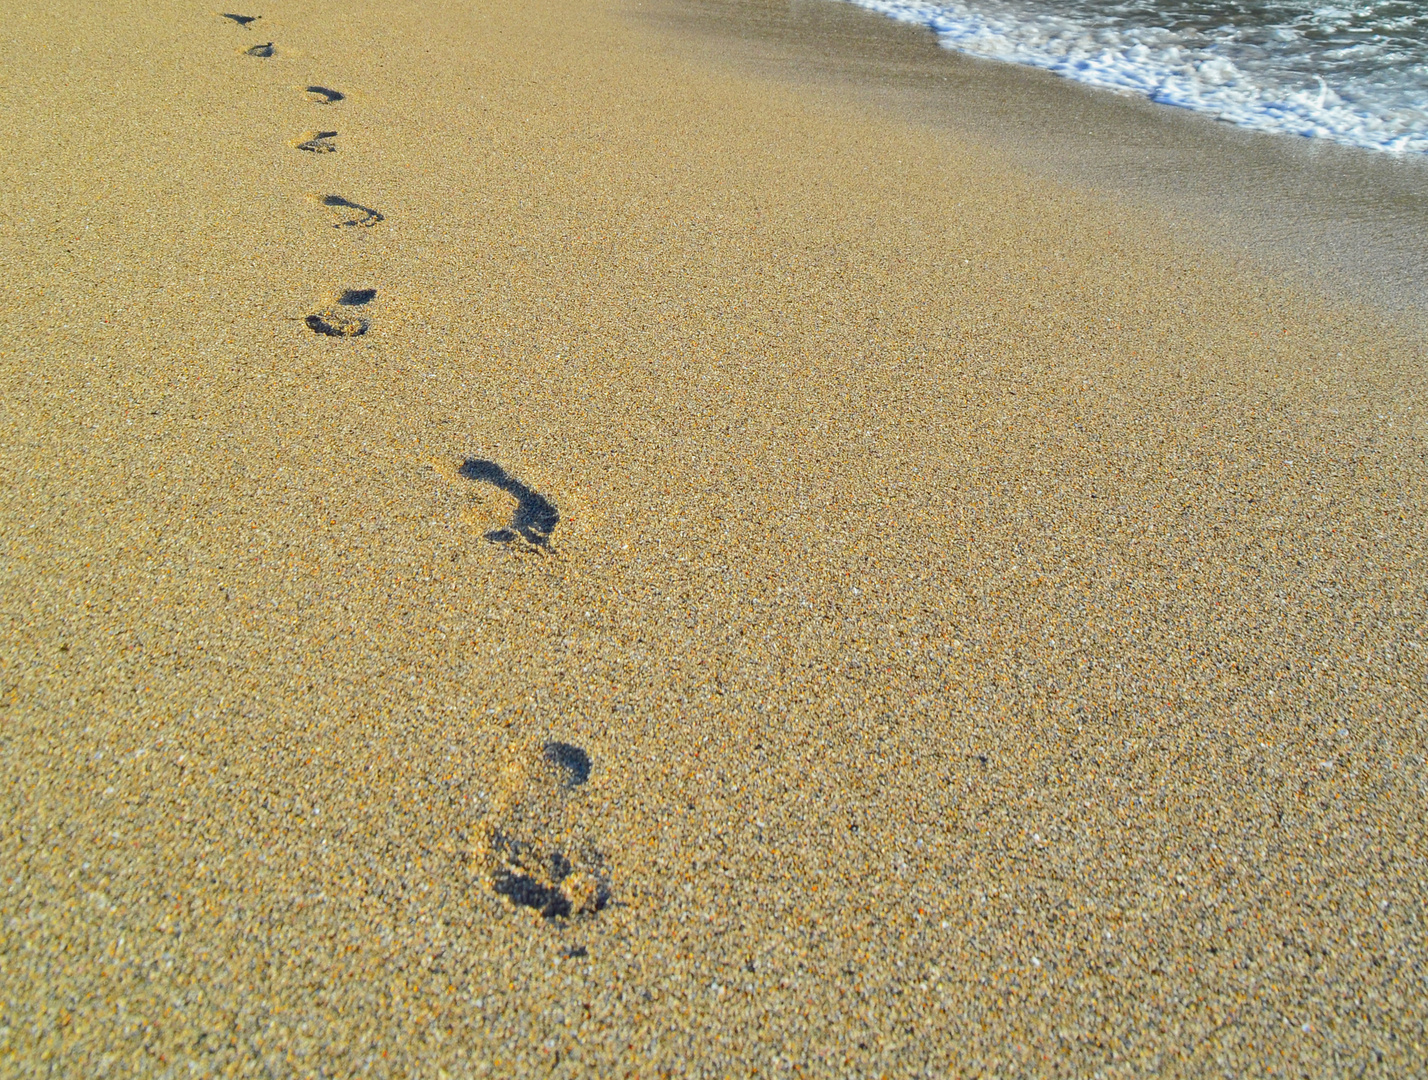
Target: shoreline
[1332,219]
[767,587]
[1124,60]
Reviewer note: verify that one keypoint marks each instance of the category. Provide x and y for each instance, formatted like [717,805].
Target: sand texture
[613,564]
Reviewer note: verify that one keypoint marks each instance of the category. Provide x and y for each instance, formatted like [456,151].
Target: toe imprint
[336,324]
[261,50]
[533,848]
[318,142]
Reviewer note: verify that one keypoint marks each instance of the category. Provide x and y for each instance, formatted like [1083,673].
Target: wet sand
[1328,219]
[771,588]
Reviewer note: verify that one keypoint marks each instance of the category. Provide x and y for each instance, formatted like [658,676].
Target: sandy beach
[772,587]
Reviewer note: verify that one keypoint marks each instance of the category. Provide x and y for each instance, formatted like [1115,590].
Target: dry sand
[981,634]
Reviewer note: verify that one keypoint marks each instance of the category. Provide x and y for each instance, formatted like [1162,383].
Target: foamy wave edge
[1167,73]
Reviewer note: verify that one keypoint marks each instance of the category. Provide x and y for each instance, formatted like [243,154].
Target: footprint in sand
[260,50]
[350,214]
[317,142]
[534,847]
[324,96]
[535,517]
[241,20]
[335,322]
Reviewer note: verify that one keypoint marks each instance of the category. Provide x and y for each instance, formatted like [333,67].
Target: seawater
[1353,73]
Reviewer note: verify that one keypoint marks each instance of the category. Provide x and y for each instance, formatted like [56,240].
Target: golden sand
[992,630]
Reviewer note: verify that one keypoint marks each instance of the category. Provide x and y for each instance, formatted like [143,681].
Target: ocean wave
[1352,73]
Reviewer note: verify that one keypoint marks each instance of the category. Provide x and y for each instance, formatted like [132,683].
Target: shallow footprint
[536,516]
[331,323]
[241,20]
[260,50]
[363,216]
[334,322]
[533,847]
[323,96]
[318,142]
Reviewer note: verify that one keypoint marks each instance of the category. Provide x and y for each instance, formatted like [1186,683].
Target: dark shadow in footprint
[536,516]
[261,50]
[319,142]
[337,324]
[525,890]
[528,892]
[241,20]
[369,217]
[323,96]
[573,762]
[356,297]
[552,902]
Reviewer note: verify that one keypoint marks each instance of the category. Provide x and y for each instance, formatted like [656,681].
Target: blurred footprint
[261,50]
[337,324]
[317,142]
[324,96]
[241,20]
[334,322]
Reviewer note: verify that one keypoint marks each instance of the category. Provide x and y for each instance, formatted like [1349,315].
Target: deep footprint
[323,96]
[337,324]
[533,848]
[356,297]
[241,20]
[318,142]
[366,216]
[536,516]
[260,50]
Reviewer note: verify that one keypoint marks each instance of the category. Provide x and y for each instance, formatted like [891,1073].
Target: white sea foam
[1353,73]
